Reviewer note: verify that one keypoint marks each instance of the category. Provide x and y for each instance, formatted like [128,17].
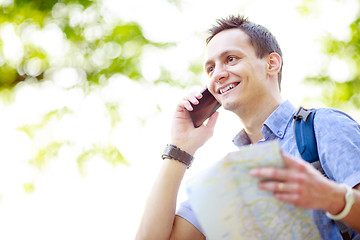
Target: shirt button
[280,133]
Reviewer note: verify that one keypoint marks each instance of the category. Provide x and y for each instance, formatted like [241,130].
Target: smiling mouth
[227,88]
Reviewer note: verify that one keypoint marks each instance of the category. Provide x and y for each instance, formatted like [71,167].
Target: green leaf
[45,154]
[348,49]
[29,187]
[113,113]
[32,129]
[109,153]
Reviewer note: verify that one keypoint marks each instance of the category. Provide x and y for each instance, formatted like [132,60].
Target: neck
[254,117]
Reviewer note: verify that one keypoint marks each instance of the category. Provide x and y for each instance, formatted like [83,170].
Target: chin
[234,106]
[229,106]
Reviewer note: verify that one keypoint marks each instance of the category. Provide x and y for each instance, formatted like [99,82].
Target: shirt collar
[276,123]
[241,139]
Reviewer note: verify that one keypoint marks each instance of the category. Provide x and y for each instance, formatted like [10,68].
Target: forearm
[159,212]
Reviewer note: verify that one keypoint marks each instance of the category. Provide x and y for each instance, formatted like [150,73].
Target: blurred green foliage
[32,129]
[110,153]
[40,37]
[92,44]
[343,92]
[28,187]
[45,154]
[308,7]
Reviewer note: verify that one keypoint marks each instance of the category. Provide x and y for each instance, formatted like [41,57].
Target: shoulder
[335,129]
[338,141]
[330,118]
[335,124]
[332,114]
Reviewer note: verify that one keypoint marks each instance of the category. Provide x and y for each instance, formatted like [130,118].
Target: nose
[220,74]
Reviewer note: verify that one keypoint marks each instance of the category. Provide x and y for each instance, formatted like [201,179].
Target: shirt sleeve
[185,211]
[338,141]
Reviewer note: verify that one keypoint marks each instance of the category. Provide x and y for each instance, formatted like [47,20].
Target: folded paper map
[228,204]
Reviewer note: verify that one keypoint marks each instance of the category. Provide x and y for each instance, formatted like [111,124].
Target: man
[244,63]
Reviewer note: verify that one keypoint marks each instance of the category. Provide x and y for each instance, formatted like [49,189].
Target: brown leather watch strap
[173,152]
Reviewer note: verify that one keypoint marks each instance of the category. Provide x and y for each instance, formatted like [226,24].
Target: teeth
[227,88]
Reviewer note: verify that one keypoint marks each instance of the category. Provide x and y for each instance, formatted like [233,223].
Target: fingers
[192,98]
[292,162]
[297,183]
[292,165]
[294,170]
[212,120]
[287,197]
[279,174]
[286,191]
[187,105]
[278,187]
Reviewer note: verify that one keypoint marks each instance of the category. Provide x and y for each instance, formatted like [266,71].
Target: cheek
[239,70]
[211,87]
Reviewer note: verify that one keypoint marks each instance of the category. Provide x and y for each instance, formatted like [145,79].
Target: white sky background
[107,202]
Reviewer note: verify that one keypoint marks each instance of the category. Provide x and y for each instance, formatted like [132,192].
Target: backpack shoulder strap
[307,146]
[304,134]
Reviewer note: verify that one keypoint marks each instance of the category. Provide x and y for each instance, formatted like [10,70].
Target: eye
[230,59]
[210,69]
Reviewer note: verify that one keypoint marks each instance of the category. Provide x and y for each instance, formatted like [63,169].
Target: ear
[274,63]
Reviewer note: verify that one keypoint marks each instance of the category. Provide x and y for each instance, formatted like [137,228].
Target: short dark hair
[260,38]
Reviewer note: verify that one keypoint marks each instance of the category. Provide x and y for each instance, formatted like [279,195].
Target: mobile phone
[206,107]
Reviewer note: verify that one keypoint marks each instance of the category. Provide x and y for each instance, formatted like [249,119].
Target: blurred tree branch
[343,56]
[88,41]
[39,40]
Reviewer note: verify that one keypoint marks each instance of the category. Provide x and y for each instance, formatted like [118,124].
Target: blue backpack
[306,143]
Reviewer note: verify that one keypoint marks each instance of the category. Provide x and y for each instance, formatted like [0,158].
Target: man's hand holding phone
[184,133]
[204,108]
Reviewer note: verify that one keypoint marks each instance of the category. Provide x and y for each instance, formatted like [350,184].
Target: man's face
[237,75]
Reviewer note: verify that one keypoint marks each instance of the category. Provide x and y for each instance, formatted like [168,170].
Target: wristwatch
[173,152]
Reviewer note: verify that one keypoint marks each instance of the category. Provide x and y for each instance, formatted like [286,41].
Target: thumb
[291,162]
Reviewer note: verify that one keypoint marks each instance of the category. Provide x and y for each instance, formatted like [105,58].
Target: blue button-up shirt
[338,139]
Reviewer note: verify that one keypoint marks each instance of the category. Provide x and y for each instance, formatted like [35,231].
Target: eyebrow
[208,62]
